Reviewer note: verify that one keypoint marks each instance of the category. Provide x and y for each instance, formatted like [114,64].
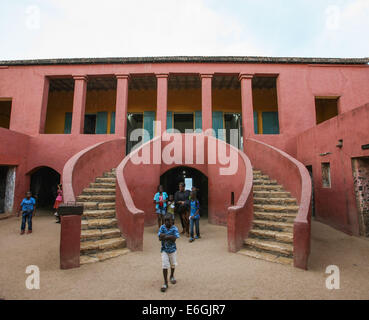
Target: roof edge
[187,59]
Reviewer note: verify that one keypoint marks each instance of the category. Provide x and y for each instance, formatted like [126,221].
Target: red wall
[297,85]
[14,149]
[142,180]
[336,206]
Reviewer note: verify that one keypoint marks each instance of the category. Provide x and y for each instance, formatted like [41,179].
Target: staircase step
[105,180]
[87,205]
[266,187]
[275,208]
[104,185]
[264,182]
[96,198]
[280,201]
[102,245]
[106,205]
[275,216]
[273,225]
[109,175]
[112,254]
[286,237]
[270,246]
[101,214]
[98,223]
[97,234]
[84,259]
[266,256]
[99,191]
[271,194]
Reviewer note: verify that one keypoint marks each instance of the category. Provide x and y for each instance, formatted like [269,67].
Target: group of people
[28,209]
[185,205]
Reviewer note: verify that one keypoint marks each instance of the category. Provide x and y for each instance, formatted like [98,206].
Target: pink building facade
[296,112]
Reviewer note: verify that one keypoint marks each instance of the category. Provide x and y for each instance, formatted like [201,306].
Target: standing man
[181,201]
[28,206]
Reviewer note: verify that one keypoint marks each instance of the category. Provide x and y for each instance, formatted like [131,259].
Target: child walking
[168,234]
[28,207]
[194,216]
[161,199]
[58,201]
[171,206]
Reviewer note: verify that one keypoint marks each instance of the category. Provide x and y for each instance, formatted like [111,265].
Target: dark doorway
[183,121]
[326,108]
[173,177]
[233,121]
[310,169]
[3,175]
[360,171]
[5,111]
[90,124]
[134,121]
[44,184]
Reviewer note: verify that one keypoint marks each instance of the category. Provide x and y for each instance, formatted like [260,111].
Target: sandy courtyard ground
[205,271]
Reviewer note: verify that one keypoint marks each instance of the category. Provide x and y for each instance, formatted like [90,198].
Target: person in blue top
[160,200]
[194,216]
[28,207]
[168,234]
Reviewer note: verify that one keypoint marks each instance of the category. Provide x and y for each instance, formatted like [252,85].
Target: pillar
[79,104]
[45,97]
[70,240]
[121,105]
[206,101]
[161,103]
[247,106]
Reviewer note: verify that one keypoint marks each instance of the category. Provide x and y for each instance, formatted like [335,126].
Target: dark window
[326,175]
[5,110]
[326,108]
[183,121]
[134,121]
[233,121]
[90,124]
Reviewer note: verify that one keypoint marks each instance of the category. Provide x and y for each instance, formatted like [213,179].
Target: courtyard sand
[206,269]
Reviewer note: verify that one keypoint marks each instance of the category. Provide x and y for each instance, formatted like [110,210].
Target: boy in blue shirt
[168,234]
[28,206]
[194,216]
[161,198]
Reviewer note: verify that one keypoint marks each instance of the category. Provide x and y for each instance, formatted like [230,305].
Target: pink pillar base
[70,240]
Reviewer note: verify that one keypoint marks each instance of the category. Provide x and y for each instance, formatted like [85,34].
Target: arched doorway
[44,182]
[174,176]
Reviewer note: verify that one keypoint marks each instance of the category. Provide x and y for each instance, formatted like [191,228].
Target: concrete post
[161,103]
[121,105]
[70,241]
[247,106]
[206,101]
[79,104]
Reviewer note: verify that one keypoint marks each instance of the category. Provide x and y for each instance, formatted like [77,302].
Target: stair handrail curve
[102,151]
[240,215]
[130,218]
[302,191]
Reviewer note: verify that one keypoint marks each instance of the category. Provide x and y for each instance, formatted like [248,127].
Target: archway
[171,178]
[44,182]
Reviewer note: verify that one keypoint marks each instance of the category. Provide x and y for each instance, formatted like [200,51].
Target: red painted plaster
[295,178]
[336,206]
[70,239]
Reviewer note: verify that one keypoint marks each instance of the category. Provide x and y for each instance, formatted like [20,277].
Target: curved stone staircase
[271,236]
[100,236]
